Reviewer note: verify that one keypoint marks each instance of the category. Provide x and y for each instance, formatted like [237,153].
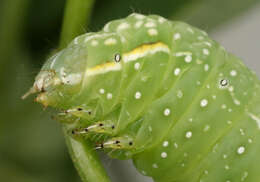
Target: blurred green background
[32,148]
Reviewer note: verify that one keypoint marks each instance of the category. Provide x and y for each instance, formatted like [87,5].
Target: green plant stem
[76,17]
[84,156]
[85,159]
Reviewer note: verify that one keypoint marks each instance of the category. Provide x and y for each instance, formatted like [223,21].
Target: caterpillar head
[76,70]
[60,77]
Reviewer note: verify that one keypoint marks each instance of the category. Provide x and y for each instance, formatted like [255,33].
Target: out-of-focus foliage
[32,147]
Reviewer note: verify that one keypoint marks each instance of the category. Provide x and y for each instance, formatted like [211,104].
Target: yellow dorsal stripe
[133,55]
[145,49]
[104,68]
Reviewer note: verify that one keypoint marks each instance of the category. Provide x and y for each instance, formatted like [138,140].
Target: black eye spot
[117,142]
[113,127]
[130,143]
[89,112]
[101,124]
[223,82]
[80,109]
[117,58]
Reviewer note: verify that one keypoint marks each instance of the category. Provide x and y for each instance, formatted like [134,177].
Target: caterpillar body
[162,93]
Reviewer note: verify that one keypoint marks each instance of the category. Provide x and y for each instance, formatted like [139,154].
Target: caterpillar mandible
[162,93]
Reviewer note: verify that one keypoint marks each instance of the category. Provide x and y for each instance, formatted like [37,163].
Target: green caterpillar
[162,93]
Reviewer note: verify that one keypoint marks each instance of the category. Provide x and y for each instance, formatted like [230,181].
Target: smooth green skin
[212,132]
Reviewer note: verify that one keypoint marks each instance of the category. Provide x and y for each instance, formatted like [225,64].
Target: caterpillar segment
[161,93]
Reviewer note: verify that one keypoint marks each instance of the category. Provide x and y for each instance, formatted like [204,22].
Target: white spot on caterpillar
[138,95]
[176,36]
[110,41]
[230,89]
[123,26]
[179,94]
[139,16]
[150,25]
[241,150]
[94,43]
[224,156]
[229,122]
[189,134]
[206,128]
[203,102]
[155,166]
[233,73]
[208,44]
[137,66]
[242,132]
[206,67]
[227,167]
[250,140]
[177,71]
[205,51]
[257,119]
[188,58]
[190,119]
[237,102]
[167,112]
[163,154]
[223,106]
[152,32]
[101,91]
[165,143]
[161,20]
[109,96]
[138,24]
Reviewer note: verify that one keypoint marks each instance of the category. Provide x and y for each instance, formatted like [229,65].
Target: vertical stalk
[84,157]
[76,17]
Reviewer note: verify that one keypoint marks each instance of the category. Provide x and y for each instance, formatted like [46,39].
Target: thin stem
[76,17]
[84,157]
